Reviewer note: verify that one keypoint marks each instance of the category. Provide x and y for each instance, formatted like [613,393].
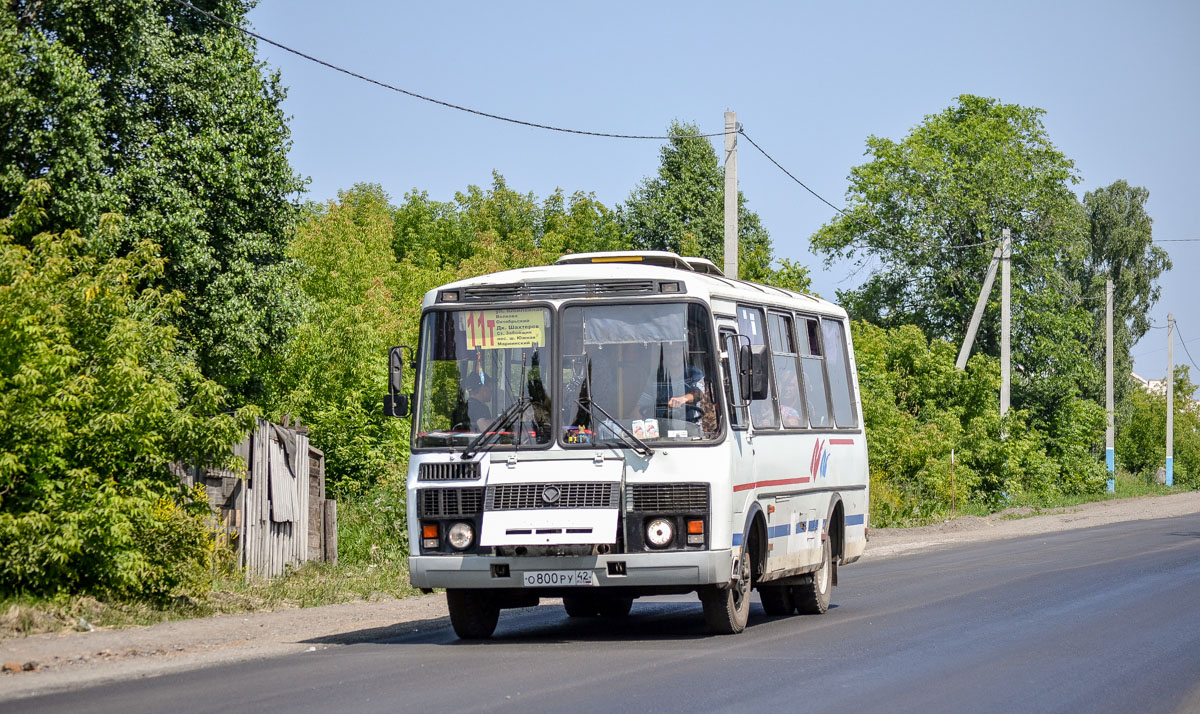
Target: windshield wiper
[640,447]
[492,431]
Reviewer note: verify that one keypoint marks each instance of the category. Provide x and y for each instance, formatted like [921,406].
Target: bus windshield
[648,366]
[479,365]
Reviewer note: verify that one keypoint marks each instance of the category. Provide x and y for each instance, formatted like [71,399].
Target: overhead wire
[851,216]
[424,98]
[610,135]
[1183,343]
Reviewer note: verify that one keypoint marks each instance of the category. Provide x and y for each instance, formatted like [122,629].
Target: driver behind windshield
[479,391]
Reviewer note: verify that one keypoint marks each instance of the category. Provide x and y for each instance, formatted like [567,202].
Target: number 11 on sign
[482,332]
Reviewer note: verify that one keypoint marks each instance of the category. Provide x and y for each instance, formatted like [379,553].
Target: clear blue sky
[1120,83]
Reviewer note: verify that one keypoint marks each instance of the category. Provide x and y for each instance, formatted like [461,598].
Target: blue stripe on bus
[779,531]
[786,529]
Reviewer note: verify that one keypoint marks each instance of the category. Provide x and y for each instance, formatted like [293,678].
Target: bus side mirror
[396,406]
[396,403]
[752,372]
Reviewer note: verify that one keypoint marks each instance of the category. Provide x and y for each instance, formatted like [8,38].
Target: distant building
[1153,386]
[1158,387]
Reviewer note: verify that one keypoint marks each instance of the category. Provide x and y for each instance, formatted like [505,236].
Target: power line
[1185,347]
[422,97]
[1177,240]
[850,216]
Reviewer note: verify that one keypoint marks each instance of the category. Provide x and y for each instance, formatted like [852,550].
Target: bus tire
[473,613]
[776,600]
[615,606]
[812,597]
[728,609]
[580,606]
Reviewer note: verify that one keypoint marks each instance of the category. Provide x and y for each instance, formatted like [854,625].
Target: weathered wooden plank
[329,512]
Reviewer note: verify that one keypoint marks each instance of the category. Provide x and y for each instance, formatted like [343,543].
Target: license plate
[558,578]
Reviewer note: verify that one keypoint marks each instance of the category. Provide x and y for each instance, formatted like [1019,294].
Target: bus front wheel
[728,609]
[473,613]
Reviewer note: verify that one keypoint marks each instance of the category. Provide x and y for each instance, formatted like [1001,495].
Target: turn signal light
[694,527]
[429,530]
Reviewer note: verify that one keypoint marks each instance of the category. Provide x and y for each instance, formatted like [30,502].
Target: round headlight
[660,533]
[460,536]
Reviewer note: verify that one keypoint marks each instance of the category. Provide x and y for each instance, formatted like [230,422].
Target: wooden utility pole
[1170,399]
[1110,430]
[1005,321]
[731,196]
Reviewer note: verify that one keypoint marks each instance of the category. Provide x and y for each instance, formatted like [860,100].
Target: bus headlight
[660,533]
[460,536]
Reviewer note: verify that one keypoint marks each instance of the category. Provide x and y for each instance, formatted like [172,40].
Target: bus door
[741,453]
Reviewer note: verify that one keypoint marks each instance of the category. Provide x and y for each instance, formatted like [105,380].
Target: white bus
[627,424]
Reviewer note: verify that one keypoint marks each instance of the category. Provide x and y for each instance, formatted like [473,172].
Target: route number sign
[499,329]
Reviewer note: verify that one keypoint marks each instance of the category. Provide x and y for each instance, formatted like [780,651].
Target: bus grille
[523,496]
[580,288]
[667,498]
[457,471]
[449,502]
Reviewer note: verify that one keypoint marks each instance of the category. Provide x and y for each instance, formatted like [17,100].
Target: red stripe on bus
[844,442]
[776,482]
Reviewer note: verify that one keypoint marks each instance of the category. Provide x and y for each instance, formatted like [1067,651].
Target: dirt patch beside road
[43,663]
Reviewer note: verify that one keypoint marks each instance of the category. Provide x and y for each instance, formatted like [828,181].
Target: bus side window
[812,363]
[729,367]
[784,361]
[838,368]
[752,326]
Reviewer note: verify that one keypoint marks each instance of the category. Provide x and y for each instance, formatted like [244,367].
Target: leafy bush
[1141,446]
[935,436]
[95,403]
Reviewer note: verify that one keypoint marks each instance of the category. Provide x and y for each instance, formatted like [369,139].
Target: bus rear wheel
[727,610]
[615,606]
[812,597]
[473,613]
[776,600]
[580,606]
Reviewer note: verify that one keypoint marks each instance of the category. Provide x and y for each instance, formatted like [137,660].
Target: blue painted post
[1170,399]
[1110,430]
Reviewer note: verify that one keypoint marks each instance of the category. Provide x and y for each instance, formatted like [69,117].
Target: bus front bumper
[667,569]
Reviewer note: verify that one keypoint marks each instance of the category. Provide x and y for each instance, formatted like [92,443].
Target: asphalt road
[1099,620]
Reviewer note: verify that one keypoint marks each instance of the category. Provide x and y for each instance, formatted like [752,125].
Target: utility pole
[965,351]
[1005,321]
[1110,429]
[731,196]
[1170,399]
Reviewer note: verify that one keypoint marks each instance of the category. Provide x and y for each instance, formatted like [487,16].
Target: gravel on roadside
[50,662]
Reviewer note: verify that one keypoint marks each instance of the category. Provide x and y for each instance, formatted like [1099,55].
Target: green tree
[1141,444]
[1121,248]
[499,228]
[682,208]
[95,403]
[929,210]
[935,432]
[152,111]
[333,373]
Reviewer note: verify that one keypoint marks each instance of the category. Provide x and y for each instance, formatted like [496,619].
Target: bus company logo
[550,494]
[820,459]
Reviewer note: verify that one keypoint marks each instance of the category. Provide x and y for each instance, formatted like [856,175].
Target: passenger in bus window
[789,398]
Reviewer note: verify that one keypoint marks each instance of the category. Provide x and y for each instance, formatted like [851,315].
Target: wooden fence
[275,513]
